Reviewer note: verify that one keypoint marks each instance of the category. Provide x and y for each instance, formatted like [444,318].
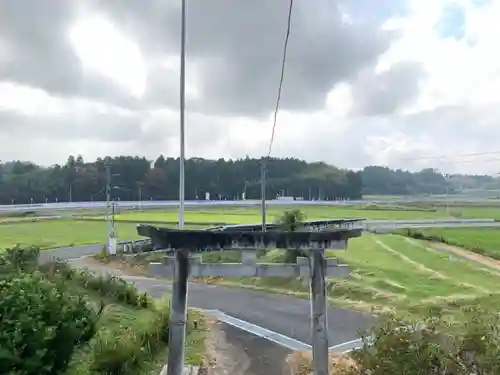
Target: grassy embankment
[388,272]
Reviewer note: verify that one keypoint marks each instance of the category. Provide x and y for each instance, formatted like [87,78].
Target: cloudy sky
[389,82]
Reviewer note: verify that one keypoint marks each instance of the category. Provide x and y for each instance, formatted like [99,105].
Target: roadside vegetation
[57,320]
[485,241]
[435,346]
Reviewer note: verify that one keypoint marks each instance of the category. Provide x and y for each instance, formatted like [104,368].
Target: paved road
[253,355]
[65,253]
[286,315]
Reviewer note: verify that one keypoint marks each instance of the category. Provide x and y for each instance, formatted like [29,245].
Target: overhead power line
[282,75]
[451,156]
[470,161]
[276,111]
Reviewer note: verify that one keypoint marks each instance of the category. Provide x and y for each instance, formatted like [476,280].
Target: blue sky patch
[452,22]
[376,11]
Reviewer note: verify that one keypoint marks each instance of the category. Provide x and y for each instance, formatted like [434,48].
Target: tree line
[137,178]
[379,180]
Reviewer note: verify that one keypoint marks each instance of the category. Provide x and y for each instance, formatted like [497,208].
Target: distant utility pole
[263,193]
[140,194]
[447,179]
[108,199]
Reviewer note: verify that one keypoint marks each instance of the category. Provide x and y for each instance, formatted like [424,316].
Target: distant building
[289,198]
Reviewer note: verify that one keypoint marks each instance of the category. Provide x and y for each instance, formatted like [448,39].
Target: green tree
[291,221]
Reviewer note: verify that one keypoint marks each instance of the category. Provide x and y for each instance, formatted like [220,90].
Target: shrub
[291,221]
[41,325]
[112,355]
[108,285]
[18,258]
[434,347]
[113,287]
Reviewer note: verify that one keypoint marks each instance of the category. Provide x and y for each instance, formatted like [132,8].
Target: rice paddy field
[91,229]
[392,272]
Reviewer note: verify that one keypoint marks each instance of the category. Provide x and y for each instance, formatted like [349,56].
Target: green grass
[68,232]
[481,240]
[119,321]
[396,273]
[476,212]
[59,233]
[250,215]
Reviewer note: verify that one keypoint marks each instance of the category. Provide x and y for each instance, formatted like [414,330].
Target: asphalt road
[254,355]
[286,315]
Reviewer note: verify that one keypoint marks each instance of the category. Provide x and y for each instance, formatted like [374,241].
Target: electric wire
[282,75]
[451,156]
[276,111]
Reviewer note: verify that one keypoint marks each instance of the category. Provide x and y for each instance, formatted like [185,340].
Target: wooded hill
[135,178]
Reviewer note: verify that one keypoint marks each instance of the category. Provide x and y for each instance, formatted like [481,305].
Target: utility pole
[108,198]
[263,193]
[447,179]
[113,225]
[178,312]
[139,188]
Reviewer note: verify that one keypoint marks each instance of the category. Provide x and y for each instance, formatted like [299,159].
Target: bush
[112,355]
[434,347]
[41,325]
[18,259]
[109,286]
[291,221]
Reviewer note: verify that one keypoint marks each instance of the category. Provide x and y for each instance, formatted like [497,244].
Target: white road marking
[275,337]
[256,330]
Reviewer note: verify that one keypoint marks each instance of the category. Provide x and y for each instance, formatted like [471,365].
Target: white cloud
[449,106]
[103,48]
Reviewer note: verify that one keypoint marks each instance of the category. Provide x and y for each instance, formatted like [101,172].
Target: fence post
[178,313]
[319,312]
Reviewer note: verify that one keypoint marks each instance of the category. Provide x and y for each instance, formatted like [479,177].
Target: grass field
[480,240]
[249,215]
[59,233]
[67,232]
[396,273]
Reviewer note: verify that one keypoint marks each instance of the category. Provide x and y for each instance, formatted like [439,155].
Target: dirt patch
[225,358]
[300,363]
[478,258]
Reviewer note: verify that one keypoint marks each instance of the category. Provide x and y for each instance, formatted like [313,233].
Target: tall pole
[140,196]
[108,198]
[319,318]
[447,179]
[113,224]
[182,115]
[263,193]
[178,314]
